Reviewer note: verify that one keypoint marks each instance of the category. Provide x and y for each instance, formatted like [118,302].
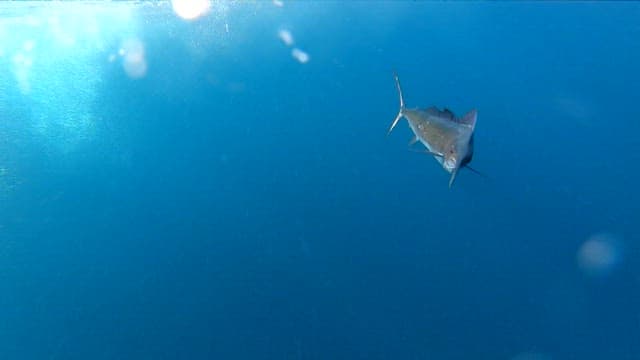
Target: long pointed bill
[453,177]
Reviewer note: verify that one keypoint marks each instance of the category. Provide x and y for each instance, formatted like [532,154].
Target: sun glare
[191,9]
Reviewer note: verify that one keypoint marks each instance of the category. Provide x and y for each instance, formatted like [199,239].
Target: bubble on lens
[300,55]
[599,255]
[134,61]
[286,36]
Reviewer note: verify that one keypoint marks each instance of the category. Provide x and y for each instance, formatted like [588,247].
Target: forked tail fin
[399,116]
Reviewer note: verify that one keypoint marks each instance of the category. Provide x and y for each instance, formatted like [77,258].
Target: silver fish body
[448,138]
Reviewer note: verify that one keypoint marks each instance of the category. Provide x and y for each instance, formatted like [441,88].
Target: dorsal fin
[442,114]
[449,113]
[469,118]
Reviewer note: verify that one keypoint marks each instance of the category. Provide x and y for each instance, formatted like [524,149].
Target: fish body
[448,138]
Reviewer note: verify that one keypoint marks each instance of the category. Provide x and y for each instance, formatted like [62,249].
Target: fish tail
[399,116]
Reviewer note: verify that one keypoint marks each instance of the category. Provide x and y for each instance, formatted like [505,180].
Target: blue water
[175,189]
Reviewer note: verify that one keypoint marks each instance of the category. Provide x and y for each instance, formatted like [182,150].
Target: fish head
[450,161]
[458,154]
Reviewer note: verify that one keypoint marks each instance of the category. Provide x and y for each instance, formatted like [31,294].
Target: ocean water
[213,180]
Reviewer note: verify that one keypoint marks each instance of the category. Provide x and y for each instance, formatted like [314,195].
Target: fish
[447,137]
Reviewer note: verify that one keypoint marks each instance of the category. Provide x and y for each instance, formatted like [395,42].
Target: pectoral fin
[476,171]
[426,151]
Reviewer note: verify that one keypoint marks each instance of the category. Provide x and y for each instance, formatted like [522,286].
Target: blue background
[234,203]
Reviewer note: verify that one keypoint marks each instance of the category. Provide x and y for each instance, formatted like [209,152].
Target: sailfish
[447,137]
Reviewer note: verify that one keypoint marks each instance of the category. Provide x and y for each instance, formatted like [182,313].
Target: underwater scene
[298,179]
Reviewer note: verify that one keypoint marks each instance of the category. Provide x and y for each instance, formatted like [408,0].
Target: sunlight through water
[51,54]
[191,9]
